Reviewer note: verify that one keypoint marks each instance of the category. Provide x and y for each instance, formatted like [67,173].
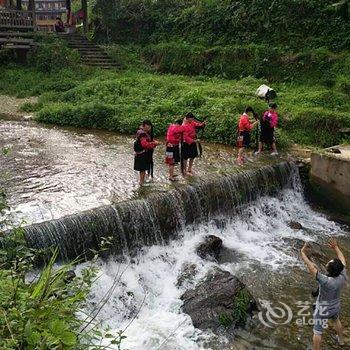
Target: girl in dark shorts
[189,146]
[172,154]
[244,128]
[268,124]
[143,150]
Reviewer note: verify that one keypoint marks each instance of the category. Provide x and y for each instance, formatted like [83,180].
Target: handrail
[17,19]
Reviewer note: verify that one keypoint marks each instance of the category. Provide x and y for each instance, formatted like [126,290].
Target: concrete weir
[158,218]
[330,177]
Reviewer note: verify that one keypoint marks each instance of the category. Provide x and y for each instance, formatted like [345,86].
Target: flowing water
[50,172]
[82,182]
[264,257]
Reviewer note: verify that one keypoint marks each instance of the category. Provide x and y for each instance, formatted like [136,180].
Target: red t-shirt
[244,123]
[189,131]
[174,133]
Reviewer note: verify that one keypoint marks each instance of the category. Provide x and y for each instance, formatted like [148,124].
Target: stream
[51,172]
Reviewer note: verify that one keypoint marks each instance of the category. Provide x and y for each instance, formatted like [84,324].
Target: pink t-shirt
[271,116]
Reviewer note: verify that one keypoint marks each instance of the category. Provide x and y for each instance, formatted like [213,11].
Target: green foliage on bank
[310,114]
[42,305]
[291,24]
[51,54]
[234,62]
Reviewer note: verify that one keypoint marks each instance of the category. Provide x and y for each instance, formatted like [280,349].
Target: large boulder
[221,301]
[210,248]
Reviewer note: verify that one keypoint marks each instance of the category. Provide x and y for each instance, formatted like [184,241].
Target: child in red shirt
[244,128]
[189,146]
[143,150]
[172,154]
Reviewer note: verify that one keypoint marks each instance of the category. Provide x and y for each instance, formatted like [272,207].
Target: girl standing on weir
[244,128]
[143,150]
[189,146]
[172,153]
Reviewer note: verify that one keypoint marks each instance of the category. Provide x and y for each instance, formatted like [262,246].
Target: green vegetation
[290,24]
[225,320]
[310,114]
[39,310]
[240,311]
[241,306]
[201,43]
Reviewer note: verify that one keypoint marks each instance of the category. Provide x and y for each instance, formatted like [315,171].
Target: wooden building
[22,15]
[46,12]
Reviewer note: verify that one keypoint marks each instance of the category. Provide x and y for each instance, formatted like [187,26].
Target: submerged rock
[295,225]
[220,301]
[317,253]
[210,248]
[228,255]
[69,276]
[187,274]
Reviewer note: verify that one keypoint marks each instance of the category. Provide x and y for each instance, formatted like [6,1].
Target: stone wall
[330,178]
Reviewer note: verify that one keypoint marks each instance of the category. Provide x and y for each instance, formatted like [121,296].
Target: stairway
[91,54]
[16,40]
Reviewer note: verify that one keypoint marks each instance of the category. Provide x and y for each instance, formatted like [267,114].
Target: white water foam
[149,281]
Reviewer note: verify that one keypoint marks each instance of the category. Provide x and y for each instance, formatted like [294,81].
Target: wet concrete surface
[49,171]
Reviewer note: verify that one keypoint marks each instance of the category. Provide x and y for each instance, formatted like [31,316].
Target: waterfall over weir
[157,218]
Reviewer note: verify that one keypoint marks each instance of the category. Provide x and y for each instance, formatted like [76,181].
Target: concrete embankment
[330,177]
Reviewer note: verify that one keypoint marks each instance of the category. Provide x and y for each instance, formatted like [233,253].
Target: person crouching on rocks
[328,300]
[244,128]
[189,149]
[268,124]
[143,150]
[172,153]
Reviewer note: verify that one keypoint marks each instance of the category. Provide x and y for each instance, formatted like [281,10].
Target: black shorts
[172,155]
[143,161]
[189,151]
[267,135]
[246,138]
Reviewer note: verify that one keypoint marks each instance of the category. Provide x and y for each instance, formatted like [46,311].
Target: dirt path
[10,106]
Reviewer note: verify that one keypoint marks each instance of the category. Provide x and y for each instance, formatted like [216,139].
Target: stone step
[88,46]
[95,54]
[102,64]
[99,62]
[91,54]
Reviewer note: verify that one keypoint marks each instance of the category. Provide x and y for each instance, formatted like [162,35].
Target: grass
[311,114]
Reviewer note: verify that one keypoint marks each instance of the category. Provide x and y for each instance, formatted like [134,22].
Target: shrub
[316,126]
[90,115]
[51,56]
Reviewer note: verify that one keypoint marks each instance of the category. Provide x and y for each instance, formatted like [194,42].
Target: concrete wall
[330,178]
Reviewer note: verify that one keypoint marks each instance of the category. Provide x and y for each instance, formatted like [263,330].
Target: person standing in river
[328,300]
[189,149]
[143,150]
[244,128]
[269,122]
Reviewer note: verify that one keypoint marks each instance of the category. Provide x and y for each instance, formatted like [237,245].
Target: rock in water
[69,276]
[210,248]
[317,253]
[220,300]
[187,274]
[295,225]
